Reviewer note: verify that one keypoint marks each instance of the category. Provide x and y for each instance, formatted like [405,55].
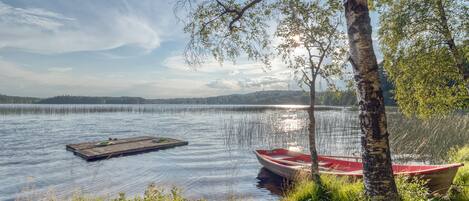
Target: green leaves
[414,38]
[311,41]
[307,34]
[228,29]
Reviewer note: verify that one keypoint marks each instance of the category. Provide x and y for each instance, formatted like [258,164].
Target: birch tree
[377,166]
[312,45]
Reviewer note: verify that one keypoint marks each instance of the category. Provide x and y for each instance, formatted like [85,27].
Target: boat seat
[283,157]
[325,164]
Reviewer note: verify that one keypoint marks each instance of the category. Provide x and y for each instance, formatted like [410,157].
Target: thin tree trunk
[460,60]
[312,135]
[377,167]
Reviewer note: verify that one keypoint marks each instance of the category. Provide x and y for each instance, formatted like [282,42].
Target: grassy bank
[344,189]
[461,189]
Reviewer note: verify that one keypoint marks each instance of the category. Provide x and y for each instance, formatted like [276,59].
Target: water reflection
[337,132]
[289,122]
[272,182]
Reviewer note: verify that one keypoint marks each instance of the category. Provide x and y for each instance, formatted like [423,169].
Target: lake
[218,163]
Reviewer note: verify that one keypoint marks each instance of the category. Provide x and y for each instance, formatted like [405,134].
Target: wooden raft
[91,151]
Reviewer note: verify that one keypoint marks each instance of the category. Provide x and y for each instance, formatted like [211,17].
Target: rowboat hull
[285,164]
[439,182]
[283,171]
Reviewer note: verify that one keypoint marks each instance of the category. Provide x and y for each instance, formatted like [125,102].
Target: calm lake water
[218,163]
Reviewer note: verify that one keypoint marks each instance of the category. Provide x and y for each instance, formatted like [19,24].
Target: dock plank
[91,151]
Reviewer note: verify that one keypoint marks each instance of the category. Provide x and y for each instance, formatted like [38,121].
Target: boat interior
[329,163]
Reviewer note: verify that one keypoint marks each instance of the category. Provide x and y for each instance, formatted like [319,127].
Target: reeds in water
[63,109]
[337,132]
[427,140]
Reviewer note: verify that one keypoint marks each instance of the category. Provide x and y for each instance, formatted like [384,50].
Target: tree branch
[305,75]
[241,13]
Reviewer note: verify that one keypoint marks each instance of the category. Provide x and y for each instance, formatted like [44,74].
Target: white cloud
[225,84]
[244,67]
[177,62]
[44,31]
[235,78]
[17,80]
[34,17]
[270,82]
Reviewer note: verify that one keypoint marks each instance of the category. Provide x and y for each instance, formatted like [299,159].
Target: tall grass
[334,188]
[21,109]
[336,132]
[427,140]
[346,189]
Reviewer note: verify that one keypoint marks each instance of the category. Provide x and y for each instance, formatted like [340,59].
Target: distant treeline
[279,97]
[276,97]
[346,98]
[18,99]
[92,100]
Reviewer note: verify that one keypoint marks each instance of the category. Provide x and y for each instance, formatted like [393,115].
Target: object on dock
[118,147]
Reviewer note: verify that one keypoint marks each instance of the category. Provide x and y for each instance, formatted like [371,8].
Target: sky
[115,48]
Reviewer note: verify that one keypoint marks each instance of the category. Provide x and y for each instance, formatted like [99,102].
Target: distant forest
[18,99]
[345,98]
[279,97]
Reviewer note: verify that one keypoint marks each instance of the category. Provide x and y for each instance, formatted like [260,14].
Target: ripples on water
[217,164]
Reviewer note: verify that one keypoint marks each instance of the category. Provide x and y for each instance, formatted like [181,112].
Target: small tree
[227,28]
[311,42]
[425,52]
[311,45]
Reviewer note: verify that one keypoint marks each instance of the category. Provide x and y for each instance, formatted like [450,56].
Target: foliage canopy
[425,53]
[307,35]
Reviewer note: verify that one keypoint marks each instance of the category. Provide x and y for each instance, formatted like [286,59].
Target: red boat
[290,164]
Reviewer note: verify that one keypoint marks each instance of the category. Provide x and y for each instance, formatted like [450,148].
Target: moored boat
[290,164]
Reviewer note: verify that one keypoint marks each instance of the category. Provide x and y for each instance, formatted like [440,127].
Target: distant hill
[256,98]
[275,97]
[278,97]
[92,100]
[4,99]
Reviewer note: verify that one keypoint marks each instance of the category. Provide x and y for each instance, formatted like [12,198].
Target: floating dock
[98,150]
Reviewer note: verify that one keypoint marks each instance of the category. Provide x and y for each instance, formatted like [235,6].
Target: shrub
[412,189]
